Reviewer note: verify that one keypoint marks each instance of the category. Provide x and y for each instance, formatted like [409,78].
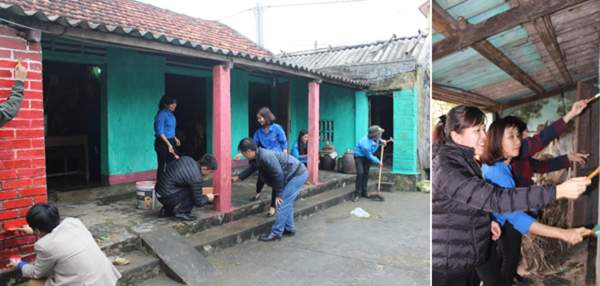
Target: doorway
[72,99]
[276,98]
[191,112]
[381,113]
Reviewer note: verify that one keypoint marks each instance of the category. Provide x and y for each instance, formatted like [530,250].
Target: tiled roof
[175,29]
[393,50]
[133,15]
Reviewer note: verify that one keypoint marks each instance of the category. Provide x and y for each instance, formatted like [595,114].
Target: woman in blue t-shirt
[504,144]
[300,147]
[165,142]
[271,136]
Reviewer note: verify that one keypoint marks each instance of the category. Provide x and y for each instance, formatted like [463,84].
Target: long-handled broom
[377,196]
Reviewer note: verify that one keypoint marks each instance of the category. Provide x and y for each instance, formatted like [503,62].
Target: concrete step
[258,207]
[142,266]
[178,257]
[251,227]
[233,233]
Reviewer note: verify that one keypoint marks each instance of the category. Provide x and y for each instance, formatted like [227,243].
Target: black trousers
[454,279]
[511,251]
[178,203]
[162,154]
[362,175]
[259,186]
[492,272]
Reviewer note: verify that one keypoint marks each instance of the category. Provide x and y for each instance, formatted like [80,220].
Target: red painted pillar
[313,132]
[222,137]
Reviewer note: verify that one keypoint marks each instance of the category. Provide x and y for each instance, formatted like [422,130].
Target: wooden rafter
[547,94]
[497,57]
[521,14]
[547,34]
[454,95]
[445,24]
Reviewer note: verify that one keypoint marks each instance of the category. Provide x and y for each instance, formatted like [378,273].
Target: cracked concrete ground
[334,248]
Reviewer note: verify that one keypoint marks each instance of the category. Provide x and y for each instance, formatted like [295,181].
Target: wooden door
[584,211]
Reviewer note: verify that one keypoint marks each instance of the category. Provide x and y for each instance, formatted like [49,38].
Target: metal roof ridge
[284,54]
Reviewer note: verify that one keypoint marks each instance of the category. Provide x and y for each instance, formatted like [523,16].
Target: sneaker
[269,237]
[185,217]
[356,198]
[289,232]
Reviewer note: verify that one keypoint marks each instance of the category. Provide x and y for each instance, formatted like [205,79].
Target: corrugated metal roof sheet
[67,20]
[414,48]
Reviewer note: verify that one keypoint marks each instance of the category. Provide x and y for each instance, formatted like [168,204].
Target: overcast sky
[297,28]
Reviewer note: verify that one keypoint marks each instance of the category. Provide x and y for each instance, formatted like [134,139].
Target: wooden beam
[547,34]
[550,93]
[498,58]
[455,95]
[442,22]
[448,26]
[524,13]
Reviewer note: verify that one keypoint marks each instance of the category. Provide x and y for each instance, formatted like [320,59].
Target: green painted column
[239,108]
[361,103]
[405,132]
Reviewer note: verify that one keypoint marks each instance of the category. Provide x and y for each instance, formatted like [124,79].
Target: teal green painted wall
[405,132]
[135,84]
[361,114]
[337,104]
[239,108]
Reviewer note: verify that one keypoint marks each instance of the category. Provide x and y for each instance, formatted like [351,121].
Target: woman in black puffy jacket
[462,200]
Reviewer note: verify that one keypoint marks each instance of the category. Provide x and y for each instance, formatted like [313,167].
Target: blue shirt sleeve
[159,124]
[22,264]
[256,138]
[499,218]
[295,151]
[281,138]
[520,220]
[366,148]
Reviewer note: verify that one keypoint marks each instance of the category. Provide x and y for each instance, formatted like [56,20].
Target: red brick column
[22,153]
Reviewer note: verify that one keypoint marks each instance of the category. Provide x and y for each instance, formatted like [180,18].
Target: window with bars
[326,130]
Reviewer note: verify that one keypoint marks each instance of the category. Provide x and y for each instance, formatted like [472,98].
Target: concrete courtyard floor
[334,248]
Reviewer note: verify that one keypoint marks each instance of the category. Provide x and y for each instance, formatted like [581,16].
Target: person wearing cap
[363,158]
[9,109]
[180,186]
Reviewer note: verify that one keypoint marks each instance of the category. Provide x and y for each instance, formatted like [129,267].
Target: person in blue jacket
[300,147]
[504,144]
[164,131]
[363,158]
[270,136]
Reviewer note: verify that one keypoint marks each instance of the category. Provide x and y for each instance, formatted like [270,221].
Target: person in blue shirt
[363,158]
[299,148]
[270,136]
[502,146]
[165,142]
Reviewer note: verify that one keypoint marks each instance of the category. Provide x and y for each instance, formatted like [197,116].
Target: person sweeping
[363,158]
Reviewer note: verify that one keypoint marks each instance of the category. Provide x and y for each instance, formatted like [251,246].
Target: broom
[377,196]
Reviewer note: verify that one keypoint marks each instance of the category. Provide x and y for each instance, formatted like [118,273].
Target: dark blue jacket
[275,168]
[179,176]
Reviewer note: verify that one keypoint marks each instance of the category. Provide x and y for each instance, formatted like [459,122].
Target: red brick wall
[22,153]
